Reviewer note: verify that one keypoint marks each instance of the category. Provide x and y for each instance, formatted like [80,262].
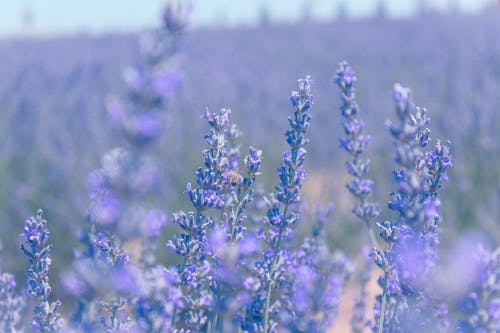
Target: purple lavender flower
[108,250]
[35,233]
[355,143]
[157,293]
[413,236]
[119,209]
[229,246]
[281,217]
[192,243]
[128,176]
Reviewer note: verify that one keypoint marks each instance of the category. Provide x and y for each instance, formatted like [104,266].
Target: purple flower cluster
[412,237]
[118,190]
[46,316]
[318,283]
[104,277]
[360,187]
[196,271]
[355,144]
[282,214]
[242,267]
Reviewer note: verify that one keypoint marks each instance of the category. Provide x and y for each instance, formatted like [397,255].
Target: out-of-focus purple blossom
[154,222]
[143,127]
[167,81]
[359,320]
[119,188]
[107,249]
[233,135]
[105,208]
[480,308]
[35,235]
[176,15]
[319,276]
[157,293]
[12,305]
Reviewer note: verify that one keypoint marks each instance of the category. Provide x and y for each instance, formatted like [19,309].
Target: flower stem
[269,286]
[382,308]
[174,313]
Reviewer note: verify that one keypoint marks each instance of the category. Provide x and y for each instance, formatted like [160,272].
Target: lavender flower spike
[412,237]
[355,143]
[282,214]
[46,318]
[196,271]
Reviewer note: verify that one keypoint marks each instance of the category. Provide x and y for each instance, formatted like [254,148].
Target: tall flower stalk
[412,237]
[121,205]
[355,143]
[281,218]
[46,318]
[229,243]
[196,269]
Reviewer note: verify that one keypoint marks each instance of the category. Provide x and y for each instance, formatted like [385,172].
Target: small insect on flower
[232,178]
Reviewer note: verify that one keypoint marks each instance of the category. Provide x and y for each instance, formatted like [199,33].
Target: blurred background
[58,17]
[60,60]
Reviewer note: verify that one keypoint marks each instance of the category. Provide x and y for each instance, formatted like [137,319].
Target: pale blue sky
[56,17]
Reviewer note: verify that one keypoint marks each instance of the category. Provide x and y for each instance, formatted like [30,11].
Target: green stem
[391,322]
[214,321]
[235,212]
[372,235]
[172,322]
[269,286]
[382,308]
[369,226]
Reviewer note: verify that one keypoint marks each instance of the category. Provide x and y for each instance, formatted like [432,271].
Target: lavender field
[179,198]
